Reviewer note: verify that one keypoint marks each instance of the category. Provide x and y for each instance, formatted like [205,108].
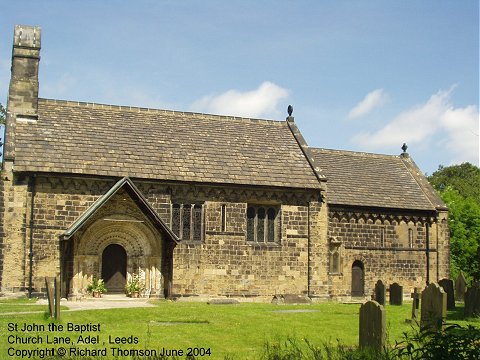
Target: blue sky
[361,75]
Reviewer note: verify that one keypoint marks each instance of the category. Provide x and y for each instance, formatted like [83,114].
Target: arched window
[251,214]
[335,263]
[187,221]
[263,224]
[176,219]
[410,238]
[271,215]
[335,258]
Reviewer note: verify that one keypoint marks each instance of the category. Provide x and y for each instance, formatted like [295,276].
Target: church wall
[392,248]
[224,263]
[318,214]
[58,202]
[14,219]
[2,217]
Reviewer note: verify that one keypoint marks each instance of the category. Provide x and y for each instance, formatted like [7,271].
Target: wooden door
[358,281]
[114,268]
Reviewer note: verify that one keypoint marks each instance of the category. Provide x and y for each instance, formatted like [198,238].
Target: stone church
[199,205]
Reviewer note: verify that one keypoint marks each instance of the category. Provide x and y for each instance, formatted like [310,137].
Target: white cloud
[462,127]
[372,100]
[436,117]
[261,102]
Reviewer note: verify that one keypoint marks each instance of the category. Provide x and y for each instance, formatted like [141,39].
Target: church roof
[106,140]
[375,180]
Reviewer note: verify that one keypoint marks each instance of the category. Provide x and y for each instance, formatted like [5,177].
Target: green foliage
[293,349]
[454,343]
[464,178]
[134,286]
[96,286]
[459,187]
[3,114]
[464,223]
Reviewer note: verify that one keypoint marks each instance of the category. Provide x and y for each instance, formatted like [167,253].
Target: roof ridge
[358,153]
[94,105]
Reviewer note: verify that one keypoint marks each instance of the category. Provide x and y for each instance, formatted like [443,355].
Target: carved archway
[142,246]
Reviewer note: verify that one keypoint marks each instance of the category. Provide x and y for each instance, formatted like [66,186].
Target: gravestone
[447,286]
[472,301]
[460,287]
[56,287]
[415,303]
[433,307]
[396,294]
[380,292]
[53,295]
[372,331]
[50,295]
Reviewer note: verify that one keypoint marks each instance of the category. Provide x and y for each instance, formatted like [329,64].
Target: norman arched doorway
[358,279]
[114,268]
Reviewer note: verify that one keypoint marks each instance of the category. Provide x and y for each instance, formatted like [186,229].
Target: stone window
[223,215]
[335,257]
[187,221]
[410,238]
[382,236]
[263,224]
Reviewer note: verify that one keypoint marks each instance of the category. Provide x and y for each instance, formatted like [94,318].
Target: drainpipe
[30,253]
[427,250]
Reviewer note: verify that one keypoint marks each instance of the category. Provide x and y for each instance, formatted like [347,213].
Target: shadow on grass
[457,313]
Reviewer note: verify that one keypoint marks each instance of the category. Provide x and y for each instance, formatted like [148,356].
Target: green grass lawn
[239,331]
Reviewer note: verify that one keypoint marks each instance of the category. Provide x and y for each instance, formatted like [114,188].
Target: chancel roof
[375,180]
[95,139]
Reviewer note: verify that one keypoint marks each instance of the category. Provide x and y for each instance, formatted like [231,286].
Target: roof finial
[404,148]
[290,110]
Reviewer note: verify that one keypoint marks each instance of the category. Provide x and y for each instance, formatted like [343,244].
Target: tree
[459,187]
[3,114]
[464,224]
[465,178]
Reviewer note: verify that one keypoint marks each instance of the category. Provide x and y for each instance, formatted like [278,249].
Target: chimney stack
[23,91]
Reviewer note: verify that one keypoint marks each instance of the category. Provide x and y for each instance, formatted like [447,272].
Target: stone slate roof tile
[96,139]
[375,180]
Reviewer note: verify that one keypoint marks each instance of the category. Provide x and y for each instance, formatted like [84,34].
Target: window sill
[191,242]
[226,233]
[263,245]
[335,274]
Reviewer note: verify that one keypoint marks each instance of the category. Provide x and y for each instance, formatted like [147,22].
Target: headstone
[460,287]
[56,286]
[396,294]
[50,295]
[472,301]
[433,307]
[447,286]
[380,292]
[372,331]
[415,303]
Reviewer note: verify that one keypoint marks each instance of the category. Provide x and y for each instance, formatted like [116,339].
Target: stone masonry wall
[14,223]
[223,264]
[391,256]
[2,216]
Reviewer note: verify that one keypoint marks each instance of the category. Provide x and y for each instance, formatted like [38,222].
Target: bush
[454,343]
